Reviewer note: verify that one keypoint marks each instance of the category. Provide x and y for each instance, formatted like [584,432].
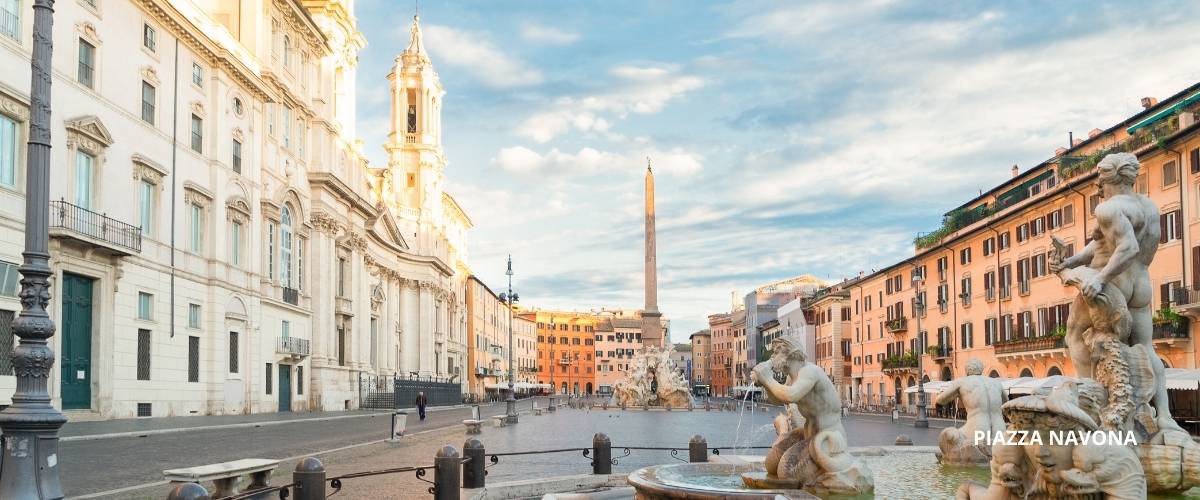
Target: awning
[931,387]
[1038,385]
[1182,379]
[1150,120]
[520,386]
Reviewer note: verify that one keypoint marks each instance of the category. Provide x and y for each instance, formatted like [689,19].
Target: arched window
[285,246]
[1026,372]
[1053,371]
[575,388]
[1165,363]
[564,388]
[589,387]
[946,375]
[287,52]
[994,374]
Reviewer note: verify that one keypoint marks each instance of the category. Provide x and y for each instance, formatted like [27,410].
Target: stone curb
[239,425]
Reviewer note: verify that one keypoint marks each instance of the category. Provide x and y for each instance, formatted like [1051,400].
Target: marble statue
[813,453]
[653,380]
[981,396]
[1113,276]
[1121,391]
[1078,468]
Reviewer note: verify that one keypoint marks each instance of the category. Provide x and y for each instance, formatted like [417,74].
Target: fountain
[653,380]
[1109,435]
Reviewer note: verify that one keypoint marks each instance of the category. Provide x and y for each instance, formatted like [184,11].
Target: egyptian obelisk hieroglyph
[652,331]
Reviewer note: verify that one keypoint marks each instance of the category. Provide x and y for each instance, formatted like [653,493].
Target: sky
[787,138]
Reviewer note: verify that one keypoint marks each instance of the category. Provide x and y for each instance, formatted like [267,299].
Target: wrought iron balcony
[896,325]
[81,224]
[292,346]
[1171,331]
[1044,343]
[291,295]
[940,352]
[906,362]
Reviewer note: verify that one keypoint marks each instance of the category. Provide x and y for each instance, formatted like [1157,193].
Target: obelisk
[652,331]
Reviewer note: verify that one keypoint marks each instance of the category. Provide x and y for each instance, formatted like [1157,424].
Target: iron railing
[400,391]
[896,325]
[291,295]
[1029,344]
[1171,331]
[292,345]
[87,223]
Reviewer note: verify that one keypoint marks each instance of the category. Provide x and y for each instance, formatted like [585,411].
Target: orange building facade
[720,327]
[984,281]
[565,350]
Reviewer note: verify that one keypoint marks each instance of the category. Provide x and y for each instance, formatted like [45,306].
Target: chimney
[1077,142]
[1149,102]
[1015,170]
[1060,151]
[1094,133]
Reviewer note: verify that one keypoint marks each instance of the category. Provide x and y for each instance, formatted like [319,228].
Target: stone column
[411,333]
[425,322]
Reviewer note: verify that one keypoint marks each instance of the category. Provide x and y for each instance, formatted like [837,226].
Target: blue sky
[788,138]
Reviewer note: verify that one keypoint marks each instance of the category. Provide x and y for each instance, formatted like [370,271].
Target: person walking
[421,402]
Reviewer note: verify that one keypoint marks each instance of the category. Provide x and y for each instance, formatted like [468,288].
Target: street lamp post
[510,404]
[31,424]
[922,420]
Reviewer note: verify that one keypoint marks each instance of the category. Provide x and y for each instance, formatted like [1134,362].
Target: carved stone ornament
[13,106]
[150,76]
[325,223]
[88,31]
[88,134]
[145,169]
[237,210]
[196,195]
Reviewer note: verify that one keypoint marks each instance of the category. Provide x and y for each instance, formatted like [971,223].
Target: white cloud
[548,34]
[638,90]
[522,160]
[475,53]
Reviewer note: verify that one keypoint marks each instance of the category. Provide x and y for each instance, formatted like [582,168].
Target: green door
[76,354]
[285,387]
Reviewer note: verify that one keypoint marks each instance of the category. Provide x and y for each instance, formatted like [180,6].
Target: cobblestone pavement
[572,429]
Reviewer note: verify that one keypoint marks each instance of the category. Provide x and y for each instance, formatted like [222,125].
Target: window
[964,256]
[1093,201]
[145,306]
[10,19]
[86,72]
[194,316]
[285,246]
[989,246]
[965,293]
[1054,219]
[300,264]
[193,359]
[84,173]
[341,282]
[287,52]
[146,207]
[233,352]
[197,75]
[236,163]
[989,331]
[196,227]
[9,279]
[1170,174]
[1194,160]
[270,373]
[285,328]
[143,354]
[1170,226]
[235,243]
[1003,241]
[967,334]
[8,148]
[287,126]
[148,101]
[1068,214]
[299,380]
[149,37]
[197,134]
[271,120]
[1140,185]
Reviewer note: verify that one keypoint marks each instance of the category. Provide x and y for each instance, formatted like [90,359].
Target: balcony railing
[940,352]
[1023,287]
[293,346]
[97,228]
[1030,344]
[1171,331]
[900,362]
[896,325]
[291,295]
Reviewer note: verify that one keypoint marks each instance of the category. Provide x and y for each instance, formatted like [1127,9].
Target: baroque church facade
[219,241]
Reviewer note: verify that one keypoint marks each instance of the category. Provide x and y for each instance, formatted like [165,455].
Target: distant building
[566,349]
[720,327]
[701,360]
[683,359]
[762,304]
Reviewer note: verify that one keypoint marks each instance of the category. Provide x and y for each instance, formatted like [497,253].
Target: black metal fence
[93,225]
[382,392]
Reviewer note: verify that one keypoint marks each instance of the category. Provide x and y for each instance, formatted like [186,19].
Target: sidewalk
[128,427]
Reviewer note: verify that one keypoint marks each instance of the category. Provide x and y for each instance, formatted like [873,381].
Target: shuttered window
[143,354]
[270,374]
[233,352]
[1194,160]
[193,359]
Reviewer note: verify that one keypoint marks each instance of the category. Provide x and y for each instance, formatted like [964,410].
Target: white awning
[1183,379]
[931,387]
[520,386]
[1038,385]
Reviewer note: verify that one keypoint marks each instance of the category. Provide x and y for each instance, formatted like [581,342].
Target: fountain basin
[704,481]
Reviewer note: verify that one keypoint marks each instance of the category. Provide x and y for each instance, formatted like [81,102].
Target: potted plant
[1168,316]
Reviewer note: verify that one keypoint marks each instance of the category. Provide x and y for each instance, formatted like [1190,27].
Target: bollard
[551,407]
[446,469]
[473,473]
[697,449]
[309,478]
[601,454]
[475,412]
[188,491]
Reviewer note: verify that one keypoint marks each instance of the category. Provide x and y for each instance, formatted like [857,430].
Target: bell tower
[414,145]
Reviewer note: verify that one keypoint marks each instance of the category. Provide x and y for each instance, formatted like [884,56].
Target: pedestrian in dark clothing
[421,402]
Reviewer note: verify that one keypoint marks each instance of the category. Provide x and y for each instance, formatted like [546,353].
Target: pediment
[90,127]
[384,225]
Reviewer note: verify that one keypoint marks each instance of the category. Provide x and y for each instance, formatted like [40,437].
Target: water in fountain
[741,413]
